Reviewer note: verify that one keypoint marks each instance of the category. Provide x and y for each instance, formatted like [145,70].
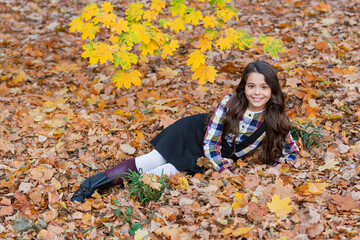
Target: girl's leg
[149,161]
[167,169]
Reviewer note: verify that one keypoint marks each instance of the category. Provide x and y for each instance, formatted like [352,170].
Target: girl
[250,118]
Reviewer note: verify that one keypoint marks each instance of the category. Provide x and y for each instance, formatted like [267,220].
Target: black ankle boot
[98,181]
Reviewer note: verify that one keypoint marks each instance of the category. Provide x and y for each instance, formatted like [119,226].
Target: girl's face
[257,92]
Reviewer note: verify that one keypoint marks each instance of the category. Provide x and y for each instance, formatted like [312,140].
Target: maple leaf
[141,33]
[125,59]
[241,231]
[178,9]
[195,59]
[345,203]
[150,15]
[210,21]
[121,25]
[204,44]
[76,25]
[161,38]
[107,7]
[225,14]
[148,49]
[107,19]
[271,45]
[224,43]
[279,206]
[177,25]
[89,11]
[104,52]
[157,5]
[134,12]
[126,78]
[170,48]
[89,31]
[211,34]
[205,72]
[241,201]
[194,17]
[244,39]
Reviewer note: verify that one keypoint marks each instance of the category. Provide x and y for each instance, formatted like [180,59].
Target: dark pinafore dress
[181,143]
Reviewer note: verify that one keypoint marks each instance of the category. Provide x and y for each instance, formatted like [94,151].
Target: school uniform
[189,138]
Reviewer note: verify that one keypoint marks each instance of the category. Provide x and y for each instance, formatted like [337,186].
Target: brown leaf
[6,211]
[172,231]
[315,230]
[344,203]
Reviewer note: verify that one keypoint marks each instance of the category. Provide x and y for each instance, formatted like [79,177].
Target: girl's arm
[290,150]
[212,140]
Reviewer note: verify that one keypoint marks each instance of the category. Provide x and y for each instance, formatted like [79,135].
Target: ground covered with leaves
[62,120]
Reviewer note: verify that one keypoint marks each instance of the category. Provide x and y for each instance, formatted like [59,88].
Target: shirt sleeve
[290,150]
[212,139]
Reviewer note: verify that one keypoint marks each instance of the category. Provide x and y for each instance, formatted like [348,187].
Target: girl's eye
[265,87]
[251,86]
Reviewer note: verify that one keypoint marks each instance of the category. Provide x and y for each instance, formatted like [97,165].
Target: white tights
[153,162]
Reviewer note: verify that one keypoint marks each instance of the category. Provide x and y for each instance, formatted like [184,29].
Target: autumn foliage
[62,120]
[153,32]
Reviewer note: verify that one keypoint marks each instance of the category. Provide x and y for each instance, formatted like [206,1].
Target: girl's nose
[257,90]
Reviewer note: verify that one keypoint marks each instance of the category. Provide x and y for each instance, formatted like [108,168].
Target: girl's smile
[257,92]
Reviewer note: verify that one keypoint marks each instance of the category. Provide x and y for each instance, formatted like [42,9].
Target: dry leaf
[279,206]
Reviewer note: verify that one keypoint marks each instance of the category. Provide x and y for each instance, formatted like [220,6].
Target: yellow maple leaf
[141,33]
[107,7]
[126,78]
[149,48]
[225,14]
[241,201]
[177,25]
[114,39]
[279,206]
[183,183]
[76,25]
[121,25]
[134,12]
[195,59]
[160,38]
[204,44]
[104,52]
[193,17]
[89,31]
[210,21]
[170,48]
[125,59]
[224,43]
[150,15]
[157,5]
[317,188]
[107,19]
[205,72]
[89,11]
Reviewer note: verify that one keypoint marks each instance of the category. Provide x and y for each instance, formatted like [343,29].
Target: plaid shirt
[248,125]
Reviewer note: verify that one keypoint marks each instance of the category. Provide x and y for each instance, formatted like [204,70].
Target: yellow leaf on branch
[177,25]
[76,25]
[126,78]
[279,206]
[89,11]
[157,5]
[89,31]
[107,7]
[150,15]
[107,19]
[224,43]
[170,48]
[195,59]
[205,73]
[210,21]
[121,25]
[204,44]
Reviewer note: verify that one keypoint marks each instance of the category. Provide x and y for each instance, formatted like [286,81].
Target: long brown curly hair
[276,122]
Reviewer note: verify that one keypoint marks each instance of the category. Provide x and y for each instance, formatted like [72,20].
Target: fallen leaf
[279,206]
[344,203]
